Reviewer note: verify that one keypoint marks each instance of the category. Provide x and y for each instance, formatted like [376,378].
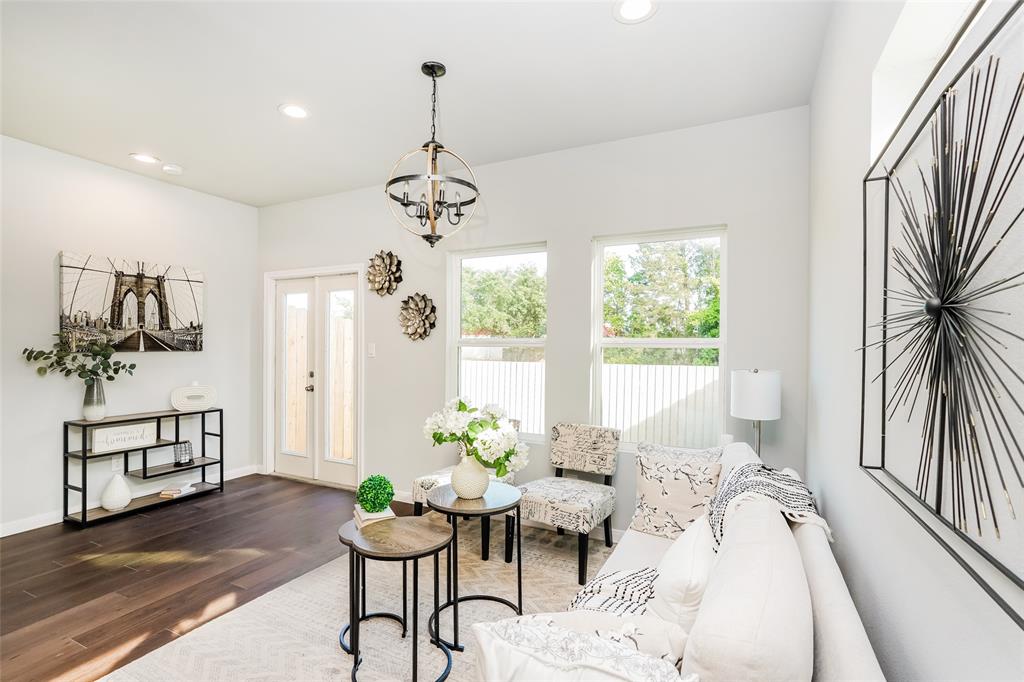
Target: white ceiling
[198,84]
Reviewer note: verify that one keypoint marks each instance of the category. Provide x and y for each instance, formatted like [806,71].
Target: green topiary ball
[375,494]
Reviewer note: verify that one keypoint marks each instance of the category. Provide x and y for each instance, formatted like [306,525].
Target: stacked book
[177,490]
[365,518]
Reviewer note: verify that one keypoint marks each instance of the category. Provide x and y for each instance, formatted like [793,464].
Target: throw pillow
[683,574]
[685,454]
[515,649]
[647,634]
[671,492]
[618,592]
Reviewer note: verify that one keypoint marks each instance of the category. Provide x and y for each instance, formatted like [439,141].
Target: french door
[316,379]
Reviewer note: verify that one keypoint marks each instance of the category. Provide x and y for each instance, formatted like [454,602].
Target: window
[658,341]
[496,342]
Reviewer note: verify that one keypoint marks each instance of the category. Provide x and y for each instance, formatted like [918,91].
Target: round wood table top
[500,497]
[404,537]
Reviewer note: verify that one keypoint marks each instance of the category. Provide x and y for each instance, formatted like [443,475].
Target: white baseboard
[56,516]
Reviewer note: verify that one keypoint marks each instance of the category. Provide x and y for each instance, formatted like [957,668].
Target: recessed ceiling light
[144,158]
[633,11]
[173,169]
[293,111]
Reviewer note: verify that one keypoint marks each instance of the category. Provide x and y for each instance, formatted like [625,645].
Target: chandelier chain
[433,111]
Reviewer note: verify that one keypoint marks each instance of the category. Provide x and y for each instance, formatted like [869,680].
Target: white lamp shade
[756,394]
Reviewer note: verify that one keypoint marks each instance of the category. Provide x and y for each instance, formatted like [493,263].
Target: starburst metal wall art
[944,314]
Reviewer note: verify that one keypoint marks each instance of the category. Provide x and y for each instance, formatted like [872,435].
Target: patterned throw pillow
[671,492]
[708,455]
[620,592]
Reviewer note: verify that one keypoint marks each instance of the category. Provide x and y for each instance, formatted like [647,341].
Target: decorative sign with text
[117,438]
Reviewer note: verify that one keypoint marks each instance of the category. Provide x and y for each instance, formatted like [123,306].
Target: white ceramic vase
[116,495]
[470,478]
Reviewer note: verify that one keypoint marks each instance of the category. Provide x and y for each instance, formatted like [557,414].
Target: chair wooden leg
[560,531]
[417,508]
[583,546]
[608,532]
[485,538]
[510,534]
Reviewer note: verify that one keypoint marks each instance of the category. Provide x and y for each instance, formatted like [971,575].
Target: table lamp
[756,394]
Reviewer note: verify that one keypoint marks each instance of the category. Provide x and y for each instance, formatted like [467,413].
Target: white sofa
[775,608]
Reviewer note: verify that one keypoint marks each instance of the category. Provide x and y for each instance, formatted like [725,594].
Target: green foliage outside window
[651,290]
[663,290]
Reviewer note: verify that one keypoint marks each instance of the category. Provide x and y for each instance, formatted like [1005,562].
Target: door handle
[309,389]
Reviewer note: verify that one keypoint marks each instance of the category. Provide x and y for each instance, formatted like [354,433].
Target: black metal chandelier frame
[429,211]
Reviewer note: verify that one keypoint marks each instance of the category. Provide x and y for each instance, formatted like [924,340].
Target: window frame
[598,342]
[453,336]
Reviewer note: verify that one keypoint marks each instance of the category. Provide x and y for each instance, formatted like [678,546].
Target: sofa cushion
[569,503]
[636,550]
[733,455]
[754,621]
[683,575]
[671,492]
[519,650]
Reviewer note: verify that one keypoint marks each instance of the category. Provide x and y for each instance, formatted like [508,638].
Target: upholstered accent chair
[574,504]
[424,484]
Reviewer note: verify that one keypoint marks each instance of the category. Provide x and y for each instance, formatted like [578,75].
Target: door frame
[269,360]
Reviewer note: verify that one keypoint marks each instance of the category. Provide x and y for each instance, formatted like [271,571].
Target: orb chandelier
[436,203]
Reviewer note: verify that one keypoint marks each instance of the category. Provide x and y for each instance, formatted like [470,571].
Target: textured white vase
[116,495]
[470,479]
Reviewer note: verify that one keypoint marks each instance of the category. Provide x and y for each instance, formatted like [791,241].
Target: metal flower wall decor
[417,316]
[384,273]
[944,383]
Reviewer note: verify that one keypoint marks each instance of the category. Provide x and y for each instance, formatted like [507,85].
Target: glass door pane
[295,359]
[341,376]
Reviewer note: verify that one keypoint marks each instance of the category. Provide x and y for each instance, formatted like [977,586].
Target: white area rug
[291,633]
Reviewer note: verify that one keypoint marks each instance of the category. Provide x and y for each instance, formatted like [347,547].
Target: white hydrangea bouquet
[484,435]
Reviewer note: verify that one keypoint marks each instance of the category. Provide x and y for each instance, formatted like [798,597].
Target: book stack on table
[365,518]
[177,490]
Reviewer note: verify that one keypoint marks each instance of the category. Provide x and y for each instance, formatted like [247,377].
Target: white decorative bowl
[194,397]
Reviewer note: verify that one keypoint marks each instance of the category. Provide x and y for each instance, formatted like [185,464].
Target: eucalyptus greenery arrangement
[375,494]
[91,364]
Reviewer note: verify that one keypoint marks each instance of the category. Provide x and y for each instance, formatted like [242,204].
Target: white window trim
[597,340]
[453,335]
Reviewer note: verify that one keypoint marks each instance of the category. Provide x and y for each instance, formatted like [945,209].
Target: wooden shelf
[137,417]
[168,469]
[140,503]
[89,454]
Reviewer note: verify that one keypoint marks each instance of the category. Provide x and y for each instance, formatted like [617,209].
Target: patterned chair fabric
[424,484]
[568,503]
[579,447]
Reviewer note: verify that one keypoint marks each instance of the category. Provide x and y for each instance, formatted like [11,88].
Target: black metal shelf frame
[146,472]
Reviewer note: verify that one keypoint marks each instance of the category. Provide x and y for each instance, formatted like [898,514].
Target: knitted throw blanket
[752,480]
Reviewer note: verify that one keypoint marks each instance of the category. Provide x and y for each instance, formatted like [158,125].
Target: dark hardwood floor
[77,604]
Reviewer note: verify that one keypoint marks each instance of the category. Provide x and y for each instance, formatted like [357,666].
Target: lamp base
[758,428]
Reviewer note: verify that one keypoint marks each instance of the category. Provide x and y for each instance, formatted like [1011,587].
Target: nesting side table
[500,498]
[404,539]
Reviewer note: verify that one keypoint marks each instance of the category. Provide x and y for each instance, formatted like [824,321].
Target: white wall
[750,174]
[54,202]
[926,618]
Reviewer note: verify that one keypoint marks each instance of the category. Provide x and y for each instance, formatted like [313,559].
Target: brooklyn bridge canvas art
[137,305]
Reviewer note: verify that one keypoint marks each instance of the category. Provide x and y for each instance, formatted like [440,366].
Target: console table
[85,454]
